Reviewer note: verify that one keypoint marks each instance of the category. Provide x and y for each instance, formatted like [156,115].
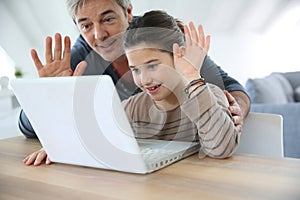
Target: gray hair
[74,5]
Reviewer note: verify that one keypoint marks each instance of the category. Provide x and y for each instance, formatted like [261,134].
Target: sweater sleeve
[25,126]
[208,110]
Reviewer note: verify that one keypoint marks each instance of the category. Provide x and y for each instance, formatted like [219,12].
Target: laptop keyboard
[150,154]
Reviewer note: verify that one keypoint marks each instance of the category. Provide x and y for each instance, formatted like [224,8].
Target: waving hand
[188,60]
[58,62]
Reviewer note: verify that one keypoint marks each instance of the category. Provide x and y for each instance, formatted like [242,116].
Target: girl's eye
[135,70]
[153,66]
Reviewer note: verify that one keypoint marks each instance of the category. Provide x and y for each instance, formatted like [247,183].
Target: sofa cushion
[297,94]
[274,89]
[293,78]
[286,86]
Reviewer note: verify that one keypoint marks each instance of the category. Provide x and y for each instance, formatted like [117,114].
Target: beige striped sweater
[204,117]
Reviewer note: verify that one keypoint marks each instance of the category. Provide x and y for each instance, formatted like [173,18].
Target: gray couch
[279,93]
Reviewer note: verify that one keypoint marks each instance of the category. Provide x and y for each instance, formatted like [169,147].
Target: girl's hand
[37,158]
[188,60]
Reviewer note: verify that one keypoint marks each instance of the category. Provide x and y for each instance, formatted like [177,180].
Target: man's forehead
[99,6]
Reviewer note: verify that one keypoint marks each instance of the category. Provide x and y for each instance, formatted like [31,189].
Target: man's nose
[100,33]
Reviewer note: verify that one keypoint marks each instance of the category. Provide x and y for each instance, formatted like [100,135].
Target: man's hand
[58,63]
[236,112]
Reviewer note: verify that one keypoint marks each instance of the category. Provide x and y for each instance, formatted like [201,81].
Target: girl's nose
[145,78]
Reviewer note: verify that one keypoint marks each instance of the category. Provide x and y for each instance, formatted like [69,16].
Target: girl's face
[153,71]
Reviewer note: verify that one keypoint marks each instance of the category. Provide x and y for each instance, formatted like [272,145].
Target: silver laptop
[81,121]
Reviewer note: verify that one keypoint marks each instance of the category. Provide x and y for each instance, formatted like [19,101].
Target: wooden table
[240,177]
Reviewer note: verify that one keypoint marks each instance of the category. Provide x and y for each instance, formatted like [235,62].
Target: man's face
[102,24]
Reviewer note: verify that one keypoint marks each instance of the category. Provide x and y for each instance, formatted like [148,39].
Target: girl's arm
[207,108]
[206,105]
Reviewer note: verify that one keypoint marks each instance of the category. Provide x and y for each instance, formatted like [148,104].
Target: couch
[279,93]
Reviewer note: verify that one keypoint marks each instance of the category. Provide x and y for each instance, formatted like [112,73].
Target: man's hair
[156,29]
[74,5]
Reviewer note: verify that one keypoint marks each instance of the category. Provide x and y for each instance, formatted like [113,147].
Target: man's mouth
[106,44]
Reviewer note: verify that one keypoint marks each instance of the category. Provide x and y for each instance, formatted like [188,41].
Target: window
[6,65]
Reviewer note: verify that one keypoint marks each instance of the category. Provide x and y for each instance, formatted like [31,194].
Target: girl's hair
[74,5]
[155,29]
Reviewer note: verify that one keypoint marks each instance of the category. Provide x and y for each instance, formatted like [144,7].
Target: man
[101,23]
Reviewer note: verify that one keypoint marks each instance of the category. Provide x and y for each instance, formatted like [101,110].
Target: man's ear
[129,13]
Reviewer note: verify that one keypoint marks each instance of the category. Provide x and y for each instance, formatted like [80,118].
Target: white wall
[246,51]
[26,23]
[13,41]
[244,42]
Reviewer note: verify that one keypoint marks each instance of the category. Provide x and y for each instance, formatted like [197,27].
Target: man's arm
[238,98]
[25,126]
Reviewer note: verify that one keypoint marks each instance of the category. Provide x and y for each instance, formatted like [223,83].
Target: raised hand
[58,62]
[188,60]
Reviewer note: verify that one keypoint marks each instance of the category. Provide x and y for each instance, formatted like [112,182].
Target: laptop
[81,121]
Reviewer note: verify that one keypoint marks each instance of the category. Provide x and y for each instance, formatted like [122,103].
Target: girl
[176,103]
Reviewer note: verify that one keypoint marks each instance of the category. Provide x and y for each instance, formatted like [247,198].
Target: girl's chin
[163,96]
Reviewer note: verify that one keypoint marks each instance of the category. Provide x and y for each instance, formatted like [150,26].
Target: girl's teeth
[153,88]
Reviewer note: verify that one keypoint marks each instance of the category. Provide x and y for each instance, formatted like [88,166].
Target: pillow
[286,86]
[293,78]
[297,94]
[273,89]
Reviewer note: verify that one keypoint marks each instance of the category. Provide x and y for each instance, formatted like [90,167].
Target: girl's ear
[129,13]
[182,50]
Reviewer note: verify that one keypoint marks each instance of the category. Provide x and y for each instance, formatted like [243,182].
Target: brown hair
[154,28]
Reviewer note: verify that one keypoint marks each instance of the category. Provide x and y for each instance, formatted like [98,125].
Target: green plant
[18,73]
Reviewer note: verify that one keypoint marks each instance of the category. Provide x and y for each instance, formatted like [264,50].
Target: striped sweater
[204,117]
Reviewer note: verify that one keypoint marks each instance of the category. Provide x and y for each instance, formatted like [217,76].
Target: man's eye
[84,27]
[109,20]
